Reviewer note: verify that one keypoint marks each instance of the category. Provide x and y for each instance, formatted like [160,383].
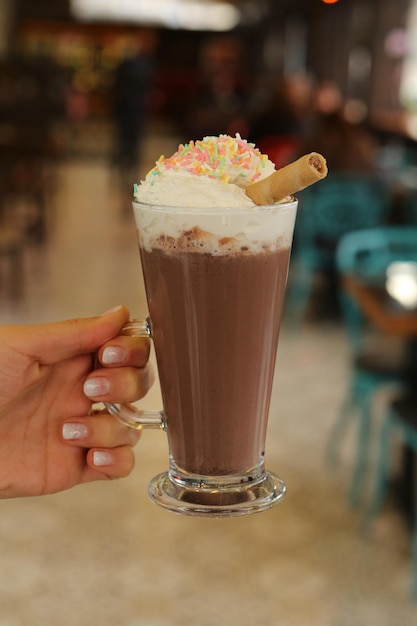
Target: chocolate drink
[215,324]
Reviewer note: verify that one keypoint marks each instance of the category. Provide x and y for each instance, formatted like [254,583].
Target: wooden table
[376,304]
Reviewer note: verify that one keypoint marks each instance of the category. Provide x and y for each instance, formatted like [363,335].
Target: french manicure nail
[74,431]
[112,310]
[96,387]
[101,458]
[113,355]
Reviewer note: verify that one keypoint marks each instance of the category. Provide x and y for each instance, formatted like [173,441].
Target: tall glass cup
[215,282]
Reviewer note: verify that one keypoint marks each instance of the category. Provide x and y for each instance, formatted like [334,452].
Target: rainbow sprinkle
[220,158]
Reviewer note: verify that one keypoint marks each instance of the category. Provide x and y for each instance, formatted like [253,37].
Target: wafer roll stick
[288,180]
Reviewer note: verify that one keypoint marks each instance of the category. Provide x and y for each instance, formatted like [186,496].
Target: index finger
[58,341]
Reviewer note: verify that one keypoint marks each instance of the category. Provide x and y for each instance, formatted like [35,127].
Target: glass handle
[129,414]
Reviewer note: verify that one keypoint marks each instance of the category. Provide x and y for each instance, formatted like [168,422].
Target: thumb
[58,341]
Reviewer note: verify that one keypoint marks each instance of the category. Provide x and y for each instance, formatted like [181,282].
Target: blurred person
[285,120]
[218,103]
[131,88]
[327,98]
[349,147]
[287,110]
[50,438]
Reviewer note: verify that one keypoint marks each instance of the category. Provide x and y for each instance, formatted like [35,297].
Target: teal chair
[400,422]
[410,208]
[328,210]
[366,254]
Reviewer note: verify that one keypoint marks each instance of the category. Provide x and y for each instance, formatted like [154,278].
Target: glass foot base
[208,500]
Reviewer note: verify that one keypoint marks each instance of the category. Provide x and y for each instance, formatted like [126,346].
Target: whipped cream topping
[212,172]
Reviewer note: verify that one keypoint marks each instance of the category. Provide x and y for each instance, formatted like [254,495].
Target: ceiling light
[212,15]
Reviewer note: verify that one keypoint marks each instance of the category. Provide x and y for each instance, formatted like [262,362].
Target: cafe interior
[338,77]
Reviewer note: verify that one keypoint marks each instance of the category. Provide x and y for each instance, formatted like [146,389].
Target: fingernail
[101,458]
[113,355]
[96,387]
[74,431]
[112,310]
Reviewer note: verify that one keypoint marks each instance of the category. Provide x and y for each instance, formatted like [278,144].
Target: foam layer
[213,231]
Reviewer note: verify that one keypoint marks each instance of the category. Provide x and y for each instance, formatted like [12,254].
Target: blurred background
[91,93]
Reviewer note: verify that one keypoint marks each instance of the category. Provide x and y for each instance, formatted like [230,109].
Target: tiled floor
[103,554]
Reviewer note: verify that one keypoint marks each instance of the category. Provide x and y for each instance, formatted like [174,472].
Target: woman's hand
[49,440]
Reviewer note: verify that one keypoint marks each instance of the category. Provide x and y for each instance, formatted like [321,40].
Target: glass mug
[215,283]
